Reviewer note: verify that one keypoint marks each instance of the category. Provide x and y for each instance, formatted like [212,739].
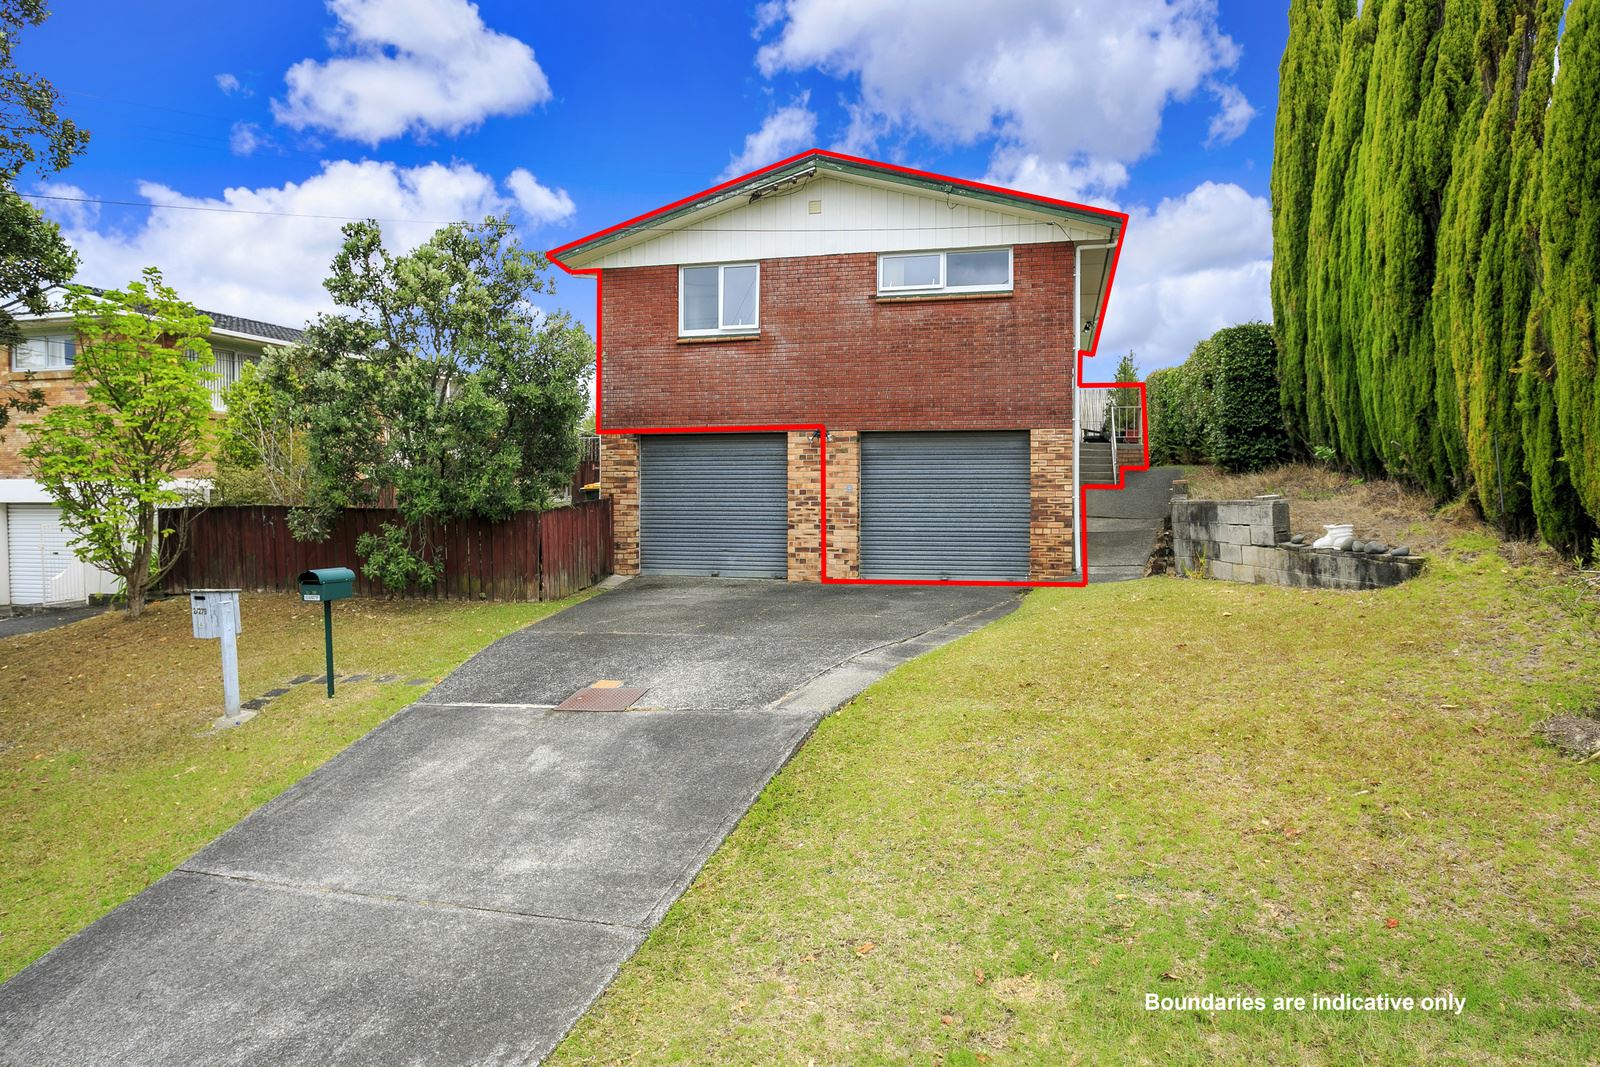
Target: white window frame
[720,330]
[47,339]
[908,290]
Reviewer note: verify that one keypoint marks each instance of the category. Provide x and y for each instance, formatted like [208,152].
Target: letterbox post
[325,585]
[327,640]
[215,616]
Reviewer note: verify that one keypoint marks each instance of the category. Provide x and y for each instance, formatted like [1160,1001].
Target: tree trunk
[138,576]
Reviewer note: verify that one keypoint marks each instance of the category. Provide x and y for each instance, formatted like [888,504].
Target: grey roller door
[714,504]
[945,505]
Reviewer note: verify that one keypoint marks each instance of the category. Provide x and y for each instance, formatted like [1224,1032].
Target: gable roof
[1078,221]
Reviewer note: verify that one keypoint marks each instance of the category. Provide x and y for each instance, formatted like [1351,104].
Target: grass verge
[1171,787]
[107,777]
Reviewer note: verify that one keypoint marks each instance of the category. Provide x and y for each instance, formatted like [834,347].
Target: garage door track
[459,885]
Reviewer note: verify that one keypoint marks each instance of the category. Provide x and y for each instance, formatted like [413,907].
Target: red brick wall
[831,351]
[58,386]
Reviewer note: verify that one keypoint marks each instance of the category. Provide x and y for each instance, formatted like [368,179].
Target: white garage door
[43,568]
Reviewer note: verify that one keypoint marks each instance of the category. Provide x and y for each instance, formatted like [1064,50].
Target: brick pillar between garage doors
[805,506]
[1050,530]
[844,504]
[619,480]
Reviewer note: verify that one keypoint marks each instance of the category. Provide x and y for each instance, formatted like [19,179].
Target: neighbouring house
[911,337]
[37,566]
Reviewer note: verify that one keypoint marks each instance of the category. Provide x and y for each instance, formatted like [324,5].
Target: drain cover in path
[602,698]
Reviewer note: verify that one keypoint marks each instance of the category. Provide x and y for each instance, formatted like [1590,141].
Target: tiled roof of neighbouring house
[221,320]
[236,324]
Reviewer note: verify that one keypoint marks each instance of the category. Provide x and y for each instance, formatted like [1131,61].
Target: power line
[446,222]
[228,210]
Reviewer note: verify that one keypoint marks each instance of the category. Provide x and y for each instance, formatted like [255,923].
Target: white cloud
[1091,181]
[74,208]
[416,66]
[1069,81]
[1068,95]
[230,84]
[539,202]
[786,131]
[1195,264]
[246,138]
[1233,116]
[269,266]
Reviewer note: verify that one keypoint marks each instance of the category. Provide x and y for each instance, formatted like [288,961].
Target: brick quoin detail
[1050,527]
[831,352]
[844,504]
[805,507]
[619,480]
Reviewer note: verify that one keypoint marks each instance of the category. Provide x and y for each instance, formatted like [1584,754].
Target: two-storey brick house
[37,566]
[916,334]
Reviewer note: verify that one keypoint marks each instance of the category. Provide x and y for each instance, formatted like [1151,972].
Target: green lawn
[107,777]
[1171,787]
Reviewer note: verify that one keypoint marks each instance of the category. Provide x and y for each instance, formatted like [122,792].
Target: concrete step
[1099,572]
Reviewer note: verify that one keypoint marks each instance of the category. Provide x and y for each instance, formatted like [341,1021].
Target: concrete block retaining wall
[1248,541]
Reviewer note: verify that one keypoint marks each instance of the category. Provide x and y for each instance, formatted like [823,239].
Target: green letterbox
[328,583]
[325,585]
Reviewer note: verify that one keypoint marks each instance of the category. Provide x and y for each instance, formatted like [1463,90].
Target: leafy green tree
[442,382]
[111,462]
[1126,401]
[263,444]
[1569,235]
[34,258]
[1305,86]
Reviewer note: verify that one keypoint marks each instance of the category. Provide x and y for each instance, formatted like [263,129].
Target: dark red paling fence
[530,556]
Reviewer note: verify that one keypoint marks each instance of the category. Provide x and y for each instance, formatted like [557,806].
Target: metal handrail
[1114,441]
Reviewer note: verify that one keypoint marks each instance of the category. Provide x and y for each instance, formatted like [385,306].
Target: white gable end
[826,215]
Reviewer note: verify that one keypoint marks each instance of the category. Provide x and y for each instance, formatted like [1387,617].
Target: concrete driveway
[460,884]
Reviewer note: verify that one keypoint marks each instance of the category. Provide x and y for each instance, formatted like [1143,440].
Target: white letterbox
[207,608]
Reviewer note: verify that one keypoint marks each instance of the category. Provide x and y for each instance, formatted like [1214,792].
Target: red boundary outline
[1082,521]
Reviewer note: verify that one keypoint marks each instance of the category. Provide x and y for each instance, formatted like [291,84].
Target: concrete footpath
[460,884]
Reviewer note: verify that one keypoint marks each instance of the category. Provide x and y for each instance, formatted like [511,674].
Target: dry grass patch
[108,778]
[1380,509]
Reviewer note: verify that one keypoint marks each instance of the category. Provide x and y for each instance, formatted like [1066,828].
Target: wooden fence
[530,556]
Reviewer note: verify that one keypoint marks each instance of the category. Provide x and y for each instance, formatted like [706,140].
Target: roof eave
[584,251]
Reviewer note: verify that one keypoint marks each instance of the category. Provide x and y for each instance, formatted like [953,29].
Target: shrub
[1245,430]
[1221,404]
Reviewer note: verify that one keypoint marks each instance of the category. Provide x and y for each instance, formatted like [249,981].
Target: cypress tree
[1305,85]
[1569,236]
[1335,267]
[1420,87]
[1488,253]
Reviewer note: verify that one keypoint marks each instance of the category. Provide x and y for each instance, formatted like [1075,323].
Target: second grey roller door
[945,505]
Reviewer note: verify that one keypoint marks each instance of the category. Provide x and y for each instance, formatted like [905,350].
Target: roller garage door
[714,504]
[945,505]
[42,566]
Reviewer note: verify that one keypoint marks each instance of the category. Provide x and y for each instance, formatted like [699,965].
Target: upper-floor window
[226,365]
[54,351]
[722,299]
[983,270]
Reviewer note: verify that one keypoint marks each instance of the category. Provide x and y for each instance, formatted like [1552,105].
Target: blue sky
[572,117]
